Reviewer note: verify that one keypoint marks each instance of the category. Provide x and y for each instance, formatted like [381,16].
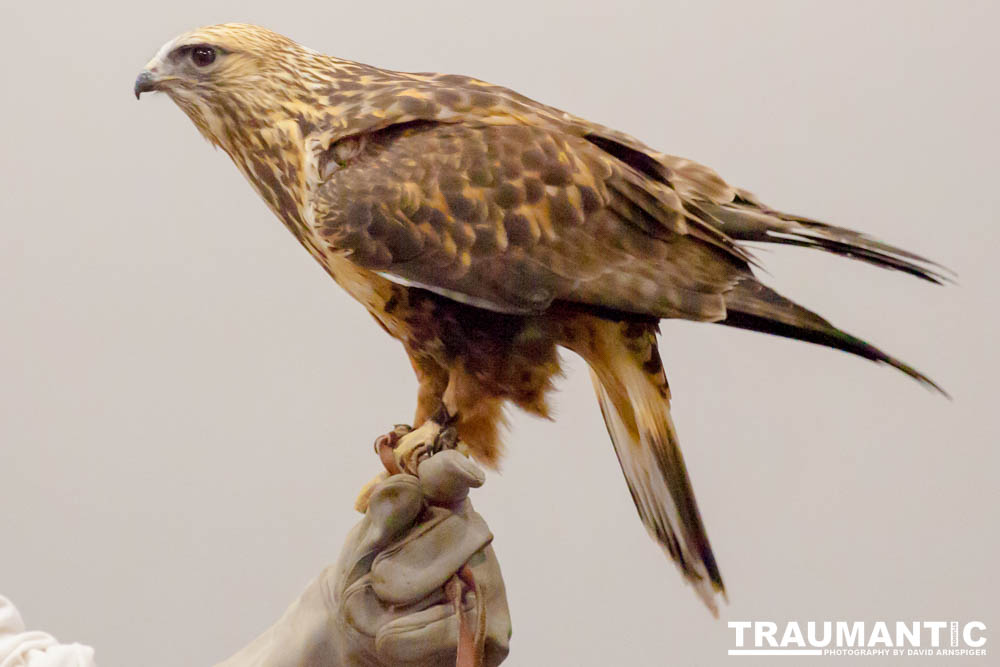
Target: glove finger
[430,637]
[393,507]
[447,477]
[362,611]
[426,637]
[429,555]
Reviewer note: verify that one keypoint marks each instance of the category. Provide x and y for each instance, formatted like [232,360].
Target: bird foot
[413,447]
[403,448]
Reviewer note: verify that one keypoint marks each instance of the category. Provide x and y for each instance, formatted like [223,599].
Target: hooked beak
[144,83]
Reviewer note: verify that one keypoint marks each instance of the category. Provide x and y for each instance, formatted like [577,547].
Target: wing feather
[512,218]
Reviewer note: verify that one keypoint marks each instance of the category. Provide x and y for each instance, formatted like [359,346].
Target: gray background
[187,402]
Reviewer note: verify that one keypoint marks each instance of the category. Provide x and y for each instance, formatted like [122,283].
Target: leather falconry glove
[385,601]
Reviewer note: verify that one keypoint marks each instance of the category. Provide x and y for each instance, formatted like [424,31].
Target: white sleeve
[19,648]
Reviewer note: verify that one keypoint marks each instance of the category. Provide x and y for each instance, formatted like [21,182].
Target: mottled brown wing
[512,217]
[717,212]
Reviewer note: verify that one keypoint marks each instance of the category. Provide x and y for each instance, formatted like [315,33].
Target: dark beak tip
[143,83]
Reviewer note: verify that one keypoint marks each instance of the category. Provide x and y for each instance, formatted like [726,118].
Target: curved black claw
[443,417]
[447,438]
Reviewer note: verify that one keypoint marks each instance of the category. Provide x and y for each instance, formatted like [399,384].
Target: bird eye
[203,56]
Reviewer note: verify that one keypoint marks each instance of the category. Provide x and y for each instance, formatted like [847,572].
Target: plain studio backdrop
[188,402]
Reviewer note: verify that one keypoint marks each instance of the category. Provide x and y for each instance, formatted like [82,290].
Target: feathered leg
[466,415]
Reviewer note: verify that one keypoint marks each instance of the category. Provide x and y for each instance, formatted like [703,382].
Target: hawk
[484,230]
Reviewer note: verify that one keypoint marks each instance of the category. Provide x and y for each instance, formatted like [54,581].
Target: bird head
[224,76]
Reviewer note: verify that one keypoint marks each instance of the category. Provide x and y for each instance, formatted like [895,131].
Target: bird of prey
[485,230]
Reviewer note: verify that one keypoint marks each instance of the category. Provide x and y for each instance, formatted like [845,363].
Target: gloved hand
[383,603]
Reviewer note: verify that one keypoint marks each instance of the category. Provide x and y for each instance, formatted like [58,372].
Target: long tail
[635,401]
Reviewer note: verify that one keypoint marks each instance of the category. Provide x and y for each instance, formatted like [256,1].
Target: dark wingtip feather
[750,221]
[869,351]
[832,337]
[855,245]
[754,306]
